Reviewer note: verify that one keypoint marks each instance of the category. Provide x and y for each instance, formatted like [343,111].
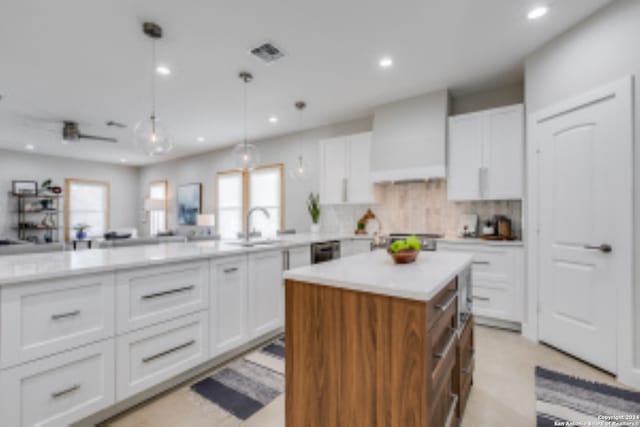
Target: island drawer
[152,355]
[442,342]
[440,304]
[152,295]
[442,411]
[42,319]
[466,364]
[58,390]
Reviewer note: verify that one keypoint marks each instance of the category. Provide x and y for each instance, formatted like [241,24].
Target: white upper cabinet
[345,170]
[486,152]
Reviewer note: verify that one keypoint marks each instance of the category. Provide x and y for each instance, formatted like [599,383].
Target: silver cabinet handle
[230,270]
[450,341]
[169,292]
[467,369]
[344,189]
[59,316]
[285,260]
[57,394]
[480,186]
[604,248]
[479,298]
[445,305]
[168,352]
[452,409]
[480,262]
[485,181]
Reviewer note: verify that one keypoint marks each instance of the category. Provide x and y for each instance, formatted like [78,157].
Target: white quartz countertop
[478,241]
[50,265]
[375,272]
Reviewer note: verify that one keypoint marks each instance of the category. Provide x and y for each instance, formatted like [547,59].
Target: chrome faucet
[247,233]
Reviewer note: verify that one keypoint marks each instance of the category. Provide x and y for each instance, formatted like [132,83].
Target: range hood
[409,139]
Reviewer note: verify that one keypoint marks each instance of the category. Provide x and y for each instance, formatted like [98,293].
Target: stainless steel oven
[325,251]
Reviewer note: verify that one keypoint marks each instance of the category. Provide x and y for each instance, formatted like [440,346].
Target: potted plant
[313,206]
[81,230]
[405,251]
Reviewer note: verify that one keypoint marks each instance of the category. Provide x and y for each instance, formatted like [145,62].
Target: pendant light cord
[244,90]
[153,83]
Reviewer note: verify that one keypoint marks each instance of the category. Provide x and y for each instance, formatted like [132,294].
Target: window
[238,191]
[158,207]
[86,202]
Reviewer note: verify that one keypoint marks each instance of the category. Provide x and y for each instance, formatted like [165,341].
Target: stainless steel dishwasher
[325,251]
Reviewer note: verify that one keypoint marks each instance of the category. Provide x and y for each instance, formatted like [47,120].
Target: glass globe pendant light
[150,136]
[245,155]
[300,169]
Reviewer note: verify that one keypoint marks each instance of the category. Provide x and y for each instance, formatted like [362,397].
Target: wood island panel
[354,358]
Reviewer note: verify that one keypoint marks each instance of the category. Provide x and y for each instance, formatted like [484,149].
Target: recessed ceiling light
[123,160]
[386,62]
[200,139]
[163,70]
[29,147]
[273,119]
[537,12]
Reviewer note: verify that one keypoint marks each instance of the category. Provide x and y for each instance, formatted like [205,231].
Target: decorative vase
[315,228]
[81,234]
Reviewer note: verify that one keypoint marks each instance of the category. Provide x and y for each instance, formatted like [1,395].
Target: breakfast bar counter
[372,343]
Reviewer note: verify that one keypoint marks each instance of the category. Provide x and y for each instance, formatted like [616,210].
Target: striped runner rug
[563,400]
[248,384]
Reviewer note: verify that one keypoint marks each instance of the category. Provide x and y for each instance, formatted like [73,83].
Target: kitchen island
[371,343]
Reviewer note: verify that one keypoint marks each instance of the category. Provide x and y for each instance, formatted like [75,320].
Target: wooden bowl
[404,257]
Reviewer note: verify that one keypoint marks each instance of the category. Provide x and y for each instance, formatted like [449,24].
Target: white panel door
[585,221]
[333,178]
[465,157]
[266,295]
[228,307]
[503,154]
[359,186]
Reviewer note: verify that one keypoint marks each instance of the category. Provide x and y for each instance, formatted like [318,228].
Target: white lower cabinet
[45,318]
[59,390]
[350,247]
[147,296]
[498,279]
[266,292]
[299,256]
[157,353]
[228,305]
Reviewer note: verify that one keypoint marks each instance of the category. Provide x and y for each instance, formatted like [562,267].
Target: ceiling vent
[267,52]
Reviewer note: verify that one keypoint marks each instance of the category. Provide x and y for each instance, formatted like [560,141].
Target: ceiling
[89,61]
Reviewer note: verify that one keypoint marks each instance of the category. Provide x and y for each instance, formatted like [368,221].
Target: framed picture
[24,187]
[189,203]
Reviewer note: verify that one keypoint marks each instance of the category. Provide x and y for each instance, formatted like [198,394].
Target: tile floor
[503,392]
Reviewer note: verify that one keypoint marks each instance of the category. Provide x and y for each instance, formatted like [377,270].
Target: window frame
[67,202]
[166,202]
[246,192]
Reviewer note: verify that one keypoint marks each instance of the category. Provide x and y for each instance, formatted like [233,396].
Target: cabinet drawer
[442,410]
[152,355]
[493,265]
[59,390]
[466,364]
[41,319]
[494,300]
[150,295]
[443,342]
[441,303]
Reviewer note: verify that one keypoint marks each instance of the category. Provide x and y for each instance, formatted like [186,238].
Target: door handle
[605,248]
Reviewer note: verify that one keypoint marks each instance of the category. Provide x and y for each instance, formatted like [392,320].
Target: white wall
[484,100]
[15,165]
[601,49]
[203,168]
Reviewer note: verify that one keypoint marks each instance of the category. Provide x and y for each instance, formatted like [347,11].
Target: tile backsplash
[420,207]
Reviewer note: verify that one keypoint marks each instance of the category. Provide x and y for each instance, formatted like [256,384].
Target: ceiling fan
[71,133]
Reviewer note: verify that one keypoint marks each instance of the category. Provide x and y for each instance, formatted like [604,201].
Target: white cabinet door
[333,179]
[465,157]
[48,317]
[504,154]
[228,305]
[349,247]
[359,186]
[299,256]
[147,296]
[266,296]
[486,155]
[151,355]
[59,390]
